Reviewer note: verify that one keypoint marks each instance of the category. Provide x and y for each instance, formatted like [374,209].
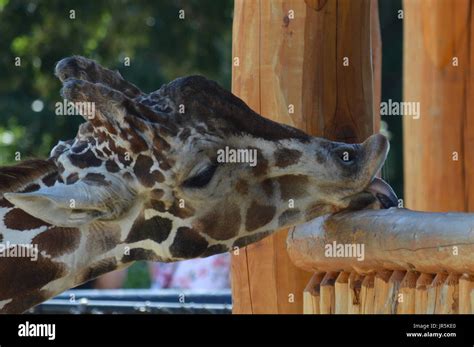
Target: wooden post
[438,64]
[466,287]
[354,287]
[407,291]
[367,295]
[449,301]
[434,294]
[328,294]
[312,294]
[421,292]
[393,297]
[342,291]
[308,64]
[381,289]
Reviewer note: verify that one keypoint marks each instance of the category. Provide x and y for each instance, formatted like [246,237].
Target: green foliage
[392,39]
[12,139]
[138,276]
[160,45]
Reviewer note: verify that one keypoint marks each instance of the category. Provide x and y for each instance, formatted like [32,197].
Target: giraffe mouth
[382,191]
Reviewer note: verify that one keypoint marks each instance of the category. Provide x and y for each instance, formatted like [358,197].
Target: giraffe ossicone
[142,181]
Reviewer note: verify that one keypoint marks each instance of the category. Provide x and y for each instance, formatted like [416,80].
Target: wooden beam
[307,64]
[394,239]
[439,145]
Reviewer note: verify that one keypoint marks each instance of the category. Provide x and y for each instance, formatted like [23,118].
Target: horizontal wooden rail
[394,239]
[387,261]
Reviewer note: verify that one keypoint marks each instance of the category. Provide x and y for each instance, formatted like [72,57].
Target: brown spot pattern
[258,216]
[22,302]
[242,187]
[50,179]
[141,254]
[79,147]
[157,205]
[111,166]
[181,212]
[5,203]
[247,240]
[221,224]
[157,194]
[285,157]
[95,179]
[262,165]
[72,178]
[18,219]
[188,244]
[58,241]
[267,186]
[214,249]
[156,228]
[84,160]
[26,275]
[286,216]
[142,168]
[293,186]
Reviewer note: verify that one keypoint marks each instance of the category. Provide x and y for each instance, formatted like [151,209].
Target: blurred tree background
[160,43]
[161,46]
[392,47]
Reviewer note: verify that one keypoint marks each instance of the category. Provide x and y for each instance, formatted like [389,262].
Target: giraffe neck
[39,260]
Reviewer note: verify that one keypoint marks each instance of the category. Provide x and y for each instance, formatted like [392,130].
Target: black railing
[139,301]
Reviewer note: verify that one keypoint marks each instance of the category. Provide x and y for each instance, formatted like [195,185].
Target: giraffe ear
[75,204]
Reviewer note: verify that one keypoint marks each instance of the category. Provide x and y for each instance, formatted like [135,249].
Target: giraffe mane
[16,177]
[203,95]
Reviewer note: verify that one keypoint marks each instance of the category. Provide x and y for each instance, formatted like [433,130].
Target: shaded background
[161,47]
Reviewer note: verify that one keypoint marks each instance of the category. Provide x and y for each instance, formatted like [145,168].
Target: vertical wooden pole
[421,293]
[408,293]
[434,294]
[367,294]
[354,298]
[466,287]
[308,64]
[342,292]
[312,294]
[439,146]
[381,289]
[328,293]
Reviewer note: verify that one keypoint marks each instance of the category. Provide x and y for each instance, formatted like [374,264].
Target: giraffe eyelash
[202,178]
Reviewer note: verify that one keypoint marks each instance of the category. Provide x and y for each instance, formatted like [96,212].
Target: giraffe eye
[201,179]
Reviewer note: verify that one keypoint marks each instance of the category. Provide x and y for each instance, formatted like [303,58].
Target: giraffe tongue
[383,192]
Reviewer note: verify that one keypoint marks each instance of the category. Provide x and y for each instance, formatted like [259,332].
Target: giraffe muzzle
[382,191]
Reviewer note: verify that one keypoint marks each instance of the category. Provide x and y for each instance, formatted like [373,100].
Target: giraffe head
[192,169]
